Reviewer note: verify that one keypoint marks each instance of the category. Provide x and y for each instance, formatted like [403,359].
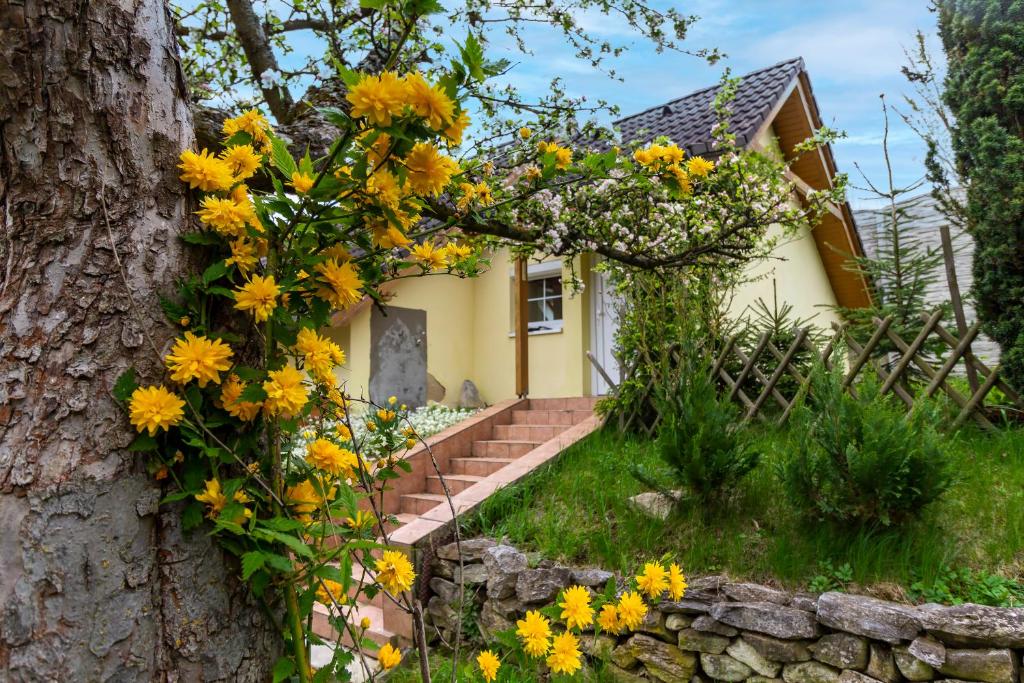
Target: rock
[742,651]
[541,585]
[868,617]
[684,607]
[706,588]
[472,550]
[751,592]
[591,578]
[620,675]
[912,668]
[842,651]
[663,661]
[441,614]
[881,665]
[435,390]
[677,622]
[654,624]
[724,667]
[654,504]
[510,608]
[805,601]
[850,676]
[763,679]
[767,617]
[699,641]
[972,625]
[706,623]
[988,665]
[443,568]
[470,574]
[469,396]
[503,564]
[597,646]
[490,622]
[623,657]
[929,651]
[809,672]
[777,650]
[446,590]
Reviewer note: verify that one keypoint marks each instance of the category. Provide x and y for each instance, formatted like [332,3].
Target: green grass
[576,511]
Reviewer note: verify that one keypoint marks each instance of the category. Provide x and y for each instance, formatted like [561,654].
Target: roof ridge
[792,60]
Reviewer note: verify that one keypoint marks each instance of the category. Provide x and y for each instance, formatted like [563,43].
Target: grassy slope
[576,511]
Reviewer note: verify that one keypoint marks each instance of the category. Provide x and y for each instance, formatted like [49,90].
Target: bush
[701,437]
[863,459]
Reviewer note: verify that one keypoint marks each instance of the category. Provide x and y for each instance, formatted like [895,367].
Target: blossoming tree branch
[250,371]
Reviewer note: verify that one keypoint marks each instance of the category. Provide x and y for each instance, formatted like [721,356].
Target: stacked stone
[725,631]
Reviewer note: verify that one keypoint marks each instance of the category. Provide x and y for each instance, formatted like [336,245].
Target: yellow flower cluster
[340,283]
[254,124]
[230,393]
[489,665]
[332,458]
[198,358]
[215,500]
[258,295]
[286,394]
[563,155]
[394,572]
[655,580]
[154,408]
[668,160]
[379,99]
[320,354]
[576,609]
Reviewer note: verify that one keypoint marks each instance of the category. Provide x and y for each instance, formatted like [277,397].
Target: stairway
[471,453]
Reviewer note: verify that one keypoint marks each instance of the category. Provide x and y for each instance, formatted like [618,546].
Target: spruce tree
[984,45]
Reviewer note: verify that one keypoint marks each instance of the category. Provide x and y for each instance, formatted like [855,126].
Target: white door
[604,322]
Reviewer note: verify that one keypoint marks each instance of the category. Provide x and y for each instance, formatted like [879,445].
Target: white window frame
[540,271]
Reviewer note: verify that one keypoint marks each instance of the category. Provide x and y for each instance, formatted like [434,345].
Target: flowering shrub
[251,429]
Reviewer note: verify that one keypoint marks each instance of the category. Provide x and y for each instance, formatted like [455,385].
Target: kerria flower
[699,167]
[251,122]
[243,255]
[608,620]
[489,665]
[319,353]
[676,582]
[243,160]
[258,295]
[332,458]
[377,98]
[653,580]
[565,654]
[576,609]
[329,592]
[534,632]
[458,127]
[215,500]
[302,182]
[394,572]
[286,394]
[225,215]
[341,283]
[632,610]
[205,172]
[154,408]
[429,170]
[198,358]
[428,101]
[230,392]
[388,657]
[428,256]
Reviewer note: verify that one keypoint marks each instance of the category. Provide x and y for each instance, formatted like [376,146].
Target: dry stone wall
[727,631]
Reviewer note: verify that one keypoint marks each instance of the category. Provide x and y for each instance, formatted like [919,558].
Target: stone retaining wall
[725,631]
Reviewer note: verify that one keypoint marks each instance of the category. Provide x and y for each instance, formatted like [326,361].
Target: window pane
[536,311]
[555,307]
[554,286]
[535,289]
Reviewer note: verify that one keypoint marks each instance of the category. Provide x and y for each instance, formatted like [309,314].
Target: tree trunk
[96,583]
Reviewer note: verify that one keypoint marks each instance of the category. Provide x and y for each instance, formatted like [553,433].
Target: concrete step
[479,467]
[528,432]
[550,417]
[507,448]
[573,403]
[377,633]
[457,483]
[420,503]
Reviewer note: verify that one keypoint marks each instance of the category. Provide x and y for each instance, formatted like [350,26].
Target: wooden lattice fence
[768,375]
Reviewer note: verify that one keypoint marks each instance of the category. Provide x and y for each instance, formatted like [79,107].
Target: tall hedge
[984,45]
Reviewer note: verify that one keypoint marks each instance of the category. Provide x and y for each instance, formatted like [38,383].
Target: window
[544,303]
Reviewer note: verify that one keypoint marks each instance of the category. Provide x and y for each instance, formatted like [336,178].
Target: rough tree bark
[96,583]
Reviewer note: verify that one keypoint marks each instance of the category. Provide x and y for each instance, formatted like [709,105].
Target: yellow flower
[525,132]
[394,572]
[429,170]
[332,458]
[385,415]
[364,623]
[224,215]
[344,433]
[457,128]
[699,166]
[302,182]
[245,208]
[319,353]
[205,171]
[563,155]
[644,157]
[429,102]
[216,501]
[682,178]
[286,395]
[245,411]
[565,654]
[388,657]
[258,295]
[251,122]
[457,252]
[653,580]
[488,168]
[468,191]
[383,186]
[483,194]
[429,257]
[184,321]
[362,520]
[377,98]
[489,665]
[632,610]
[676,582]
[304,498]
[534,632]
[342,283]
[242,159]
[392,400]
[198,358]
[387,236]
[576,609]
[154,408]
[243,255]
[330,592]
[608,620]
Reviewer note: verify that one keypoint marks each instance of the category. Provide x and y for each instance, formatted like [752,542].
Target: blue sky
[853,51]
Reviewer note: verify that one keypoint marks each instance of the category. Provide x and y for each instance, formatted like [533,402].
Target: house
[444,330]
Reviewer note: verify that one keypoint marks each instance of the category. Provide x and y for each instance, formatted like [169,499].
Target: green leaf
[176,496]
[296,545]
[125,385]
[373,4]
[143,442]
[283,524]
[473,57]
[215,271]
[281,157]
[191,516]
[251,562]
[201,237]
[279,562]
[283,669]
[254,393]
